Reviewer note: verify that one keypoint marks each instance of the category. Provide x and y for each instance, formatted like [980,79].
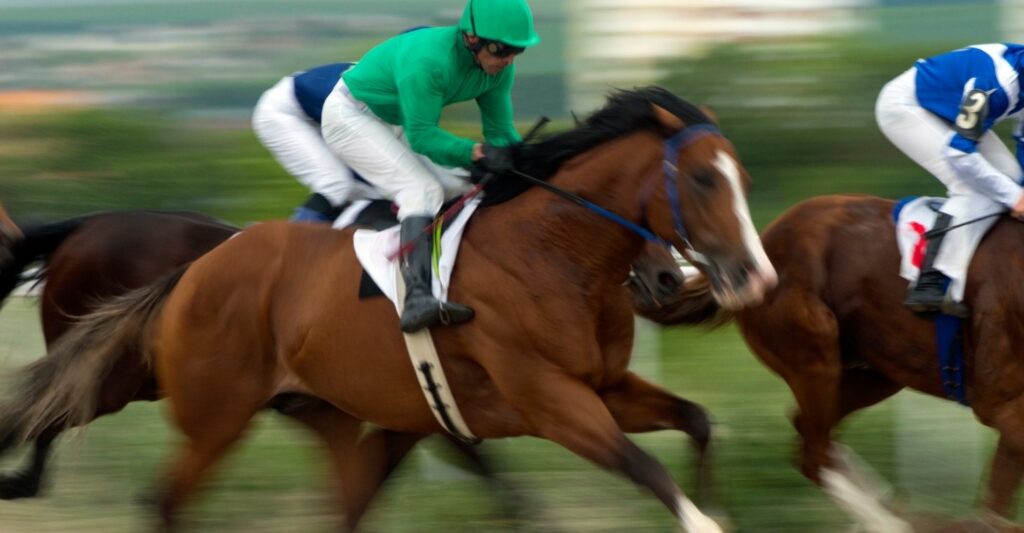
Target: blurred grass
[277,480]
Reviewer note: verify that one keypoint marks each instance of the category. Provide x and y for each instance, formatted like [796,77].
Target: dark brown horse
[276,310]
[87,260]
[836,330]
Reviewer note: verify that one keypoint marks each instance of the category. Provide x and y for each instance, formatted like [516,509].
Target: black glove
[497,159]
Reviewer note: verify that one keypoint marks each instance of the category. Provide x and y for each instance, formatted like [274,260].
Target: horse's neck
[611,176]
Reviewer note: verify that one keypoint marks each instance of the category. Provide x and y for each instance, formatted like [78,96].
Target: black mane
[625,112]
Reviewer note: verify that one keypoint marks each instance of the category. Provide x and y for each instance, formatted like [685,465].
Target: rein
[579,200]
[682,138]
[454,209]
[936,232]
[673,145]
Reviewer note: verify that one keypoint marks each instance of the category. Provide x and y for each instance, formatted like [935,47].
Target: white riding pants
[924,137]
[295,141]
[380,153]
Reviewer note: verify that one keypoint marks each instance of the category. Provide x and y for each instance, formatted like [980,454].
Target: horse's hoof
[18,486]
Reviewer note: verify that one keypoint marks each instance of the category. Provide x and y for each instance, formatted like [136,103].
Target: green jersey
[409,78]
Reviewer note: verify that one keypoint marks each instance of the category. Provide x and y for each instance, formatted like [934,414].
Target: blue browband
[673,145]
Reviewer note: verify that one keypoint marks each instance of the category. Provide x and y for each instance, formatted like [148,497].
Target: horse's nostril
[669,279]
[741,277]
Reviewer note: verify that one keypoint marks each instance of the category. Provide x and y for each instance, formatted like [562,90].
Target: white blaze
[766,276]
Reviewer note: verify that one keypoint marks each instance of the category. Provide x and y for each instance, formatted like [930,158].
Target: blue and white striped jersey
[974,88]
[945,81]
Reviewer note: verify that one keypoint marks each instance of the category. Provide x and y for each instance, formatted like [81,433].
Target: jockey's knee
[423,199]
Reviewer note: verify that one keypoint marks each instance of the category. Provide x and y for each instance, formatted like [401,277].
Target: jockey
[287,121]
[382,120]
[941,113]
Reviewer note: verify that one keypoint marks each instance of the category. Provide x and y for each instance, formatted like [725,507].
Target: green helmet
[506,21]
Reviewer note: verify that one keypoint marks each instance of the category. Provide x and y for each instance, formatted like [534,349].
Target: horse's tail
[38,243]
[61,390]
[694,304]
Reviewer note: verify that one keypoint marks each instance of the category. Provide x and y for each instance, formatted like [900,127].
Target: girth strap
[430,374]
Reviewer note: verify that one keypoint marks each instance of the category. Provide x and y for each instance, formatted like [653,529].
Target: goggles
[500,49]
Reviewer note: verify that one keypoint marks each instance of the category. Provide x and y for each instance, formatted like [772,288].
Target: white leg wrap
[694,521]
[859,472]
[864,507]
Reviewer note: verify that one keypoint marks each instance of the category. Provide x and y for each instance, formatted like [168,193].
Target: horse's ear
[710,112]
[666,118]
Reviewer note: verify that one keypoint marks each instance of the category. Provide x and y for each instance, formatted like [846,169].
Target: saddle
[914,218]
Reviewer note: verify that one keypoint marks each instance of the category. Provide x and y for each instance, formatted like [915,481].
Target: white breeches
[381,154]
[295,142]
[924,137]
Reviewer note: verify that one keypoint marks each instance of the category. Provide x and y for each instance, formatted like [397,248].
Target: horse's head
[655,278]
[9,233]
[701,208]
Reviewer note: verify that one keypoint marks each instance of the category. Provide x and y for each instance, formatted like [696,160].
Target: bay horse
[87,260]
[276,310]
[836,330]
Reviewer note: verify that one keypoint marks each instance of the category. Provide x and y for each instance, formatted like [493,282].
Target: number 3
[974,106]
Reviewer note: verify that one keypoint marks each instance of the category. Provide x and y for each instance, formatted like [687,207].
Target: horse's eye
[705,179]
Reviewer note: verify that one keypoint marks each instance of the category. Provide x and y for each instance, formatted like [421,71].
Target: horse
[87,260]
[836,330]
[276,310]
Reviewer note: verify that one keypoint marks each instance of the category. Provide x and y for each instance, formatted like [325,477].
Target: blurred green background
[110,104]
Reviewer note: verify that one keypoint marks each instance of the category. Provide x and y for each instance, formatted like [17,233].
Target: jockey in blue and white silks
[941,113]
[287,121]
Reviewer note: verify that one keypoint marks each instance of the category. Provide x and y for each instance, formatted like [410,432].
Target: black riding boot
[422,310]
[930,290]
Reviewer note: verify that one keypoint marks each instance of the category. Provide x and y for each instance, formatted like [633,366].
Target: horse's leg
[1004,477]
[861,388]
[640,406]
[808,359]
[513,502]
[212,399]
[995,371]
[571,414]
[362,461]
[823,461]
[25,483]
[210,428]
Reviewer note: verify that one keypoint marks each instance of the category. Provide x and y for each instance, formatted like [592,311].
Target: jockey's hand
[1018,209]
[496,159]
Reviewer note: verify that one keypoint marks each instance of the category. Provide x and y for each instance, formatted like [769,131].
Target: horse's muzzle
[651,289]
[739,284]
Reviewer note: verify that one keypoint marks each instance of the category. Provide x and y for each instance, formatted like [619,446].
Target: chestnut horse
[90,259]
[276,310]
[836,330]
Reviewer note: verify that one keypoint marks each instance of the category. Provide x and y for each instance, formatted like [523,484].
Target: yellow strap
[436,252]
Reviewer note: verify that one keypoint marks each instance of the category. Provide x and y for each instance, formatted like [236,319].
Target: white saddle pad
[916,218]
[376,252]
